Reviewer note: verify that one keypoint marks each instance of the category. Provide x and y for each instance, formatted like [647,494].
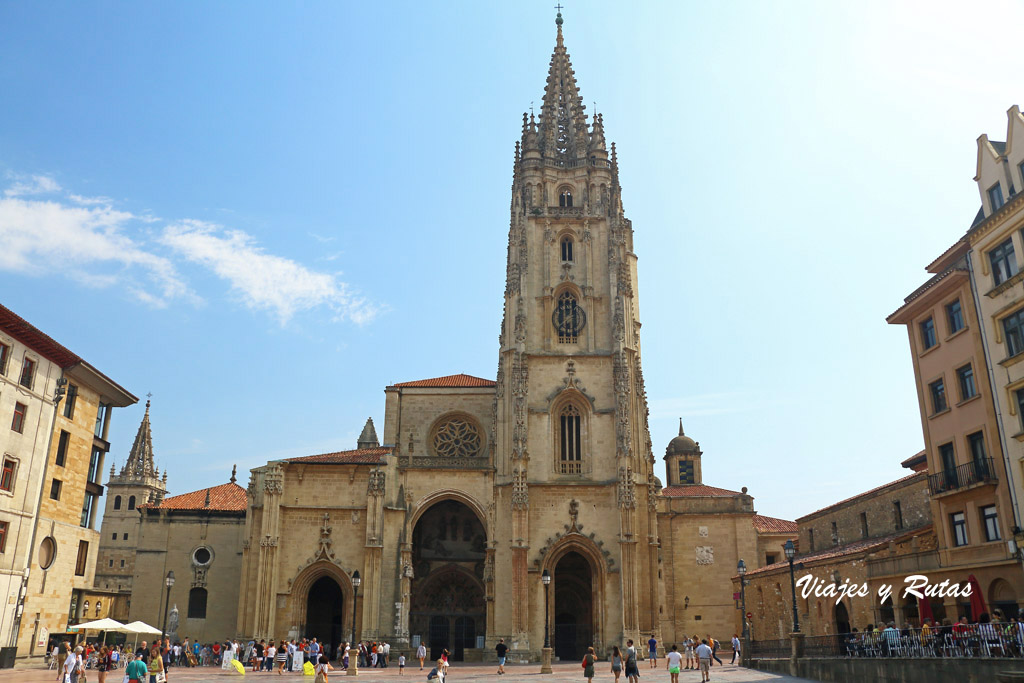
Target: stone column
[797,651]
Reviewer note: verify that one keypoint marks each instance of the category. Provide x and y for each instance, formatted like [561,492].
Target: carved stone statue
[172,624]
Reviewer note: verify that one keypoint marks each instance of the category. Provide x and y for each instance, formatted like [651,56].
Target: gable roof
[226,498]
[698,491]
[902,480]
[358,456]
[448,381]
[773,525]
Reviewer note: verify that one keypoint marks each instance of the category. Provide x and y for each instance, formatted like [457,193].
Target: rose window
[457,438]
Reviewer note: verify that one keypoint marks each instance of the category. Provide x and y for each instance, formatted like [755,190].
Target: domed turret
[682,444]
[682,460]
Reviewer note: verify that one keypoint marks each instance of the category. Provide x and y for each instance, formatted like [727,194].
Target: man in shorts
[652,651]
[704,659]
[501,648]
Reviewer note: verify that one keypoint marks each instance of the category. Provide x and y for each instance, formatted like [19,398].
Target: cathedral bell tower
[570,409]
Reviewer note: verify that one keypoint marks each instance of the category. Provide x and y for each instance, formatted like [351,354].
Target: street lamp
[741,569]
[545,663]
[790,551]
[169,581]
[356,581]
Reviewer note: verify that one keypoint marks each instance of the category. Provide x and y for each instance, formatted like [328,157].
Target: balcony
[980,471]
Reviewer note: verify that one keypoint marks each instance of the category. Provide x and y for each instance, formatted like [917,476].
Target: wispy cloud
[30,185]
[263,281]
[97,245]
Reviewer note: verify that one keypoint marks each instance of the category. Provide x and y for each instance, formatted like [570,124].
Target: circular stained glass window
[457,437]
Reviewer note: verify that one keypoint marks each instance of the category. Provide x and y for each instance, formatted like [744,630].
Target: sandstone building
[53,453]
[481,487]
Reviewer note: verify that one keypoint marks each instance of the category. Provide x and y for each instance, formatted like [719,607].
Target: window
[94,464]
[101,419]
[864,525]
[897,514]
[770,558]
[62,448]
[954,317]
[83,558]
[124,537]
[99,606]
[959,525]
[55,489]
[122,563]
[928,333]
[5,353]
[948,458]
[686,472]
[113,537]
[1013,327]
[69,402]
[18,423]
[197,603]
[131,502]
[991,521]
[995,197]
[117,506]
[3,536]
[566,249]
[965,377]
[570,449]
[1004,263]
[835,534]
[28,373]
[976,442]
[810,538]
[568,319]
[7,476]
[110,563]
[938,392]
[90,500]
[565,198]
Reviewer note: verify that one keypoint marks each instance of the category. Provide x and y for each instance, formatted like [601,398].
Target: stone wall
[892,670]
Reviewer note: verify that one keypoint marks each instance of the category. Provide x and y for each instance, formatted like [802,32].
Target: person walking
[421,654]
[73,665]
[588,664]
[282,656]
[632,673]
[652,650]
[501,648]
[401,664]
[156,663]
[673,660]
[714,649]
[103,664]
[735,648]
[616,662]
[321,669]
[691,661]
[703,653]
[136,671]
[62,656]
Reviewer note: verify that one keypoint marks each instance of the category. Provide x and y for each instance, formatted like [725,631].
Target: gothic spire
[140,458]
[368,437]
[563,123]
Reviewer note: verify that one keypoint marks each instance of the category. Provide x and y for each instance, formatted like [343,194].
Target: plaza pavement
[460,673]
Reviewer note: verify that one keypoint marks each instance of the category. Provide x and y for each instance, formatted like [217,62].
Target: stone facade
[481,487]
[49,498]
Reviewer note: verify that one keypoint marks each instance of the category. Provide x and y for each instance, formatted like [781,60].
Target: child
[401,664]
[674,660]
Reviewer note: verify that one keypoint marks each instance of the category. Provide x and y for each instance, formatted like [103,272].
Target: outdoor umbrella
[977,602]
[140,627]
[105,624]
[924,609]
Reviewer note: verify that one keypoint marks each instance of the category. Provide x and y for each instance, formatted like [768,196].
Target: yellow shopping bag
[238,666]
[307,669]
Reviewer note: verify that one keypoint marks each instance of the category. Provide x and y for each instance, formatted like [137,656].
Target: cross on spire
[559,7]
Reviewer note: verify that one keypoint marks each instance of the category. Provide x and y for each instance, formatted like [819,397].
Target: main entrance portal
[574,597]
[325,614]
[448,610]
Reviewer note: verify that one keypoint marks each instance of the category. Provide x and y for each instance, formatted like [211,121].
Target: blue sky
[263,213]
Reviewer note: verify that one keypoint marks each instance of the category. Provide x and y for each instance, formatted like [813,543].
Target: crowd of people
[991,636]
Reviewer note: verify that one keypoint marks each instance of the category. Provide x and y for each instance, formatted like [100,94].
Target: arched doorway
[842,618]
[573,608]
[325,614]
[1002,597]
[448,609]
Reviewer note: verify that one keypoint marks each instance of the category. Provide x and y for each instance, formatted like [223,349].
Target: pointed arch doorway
[573,606]
[325,614]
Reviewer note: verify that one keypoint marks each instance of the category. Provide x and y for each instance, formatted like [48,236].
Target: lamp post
[545,662]
[169,582]
[353,653]
[790,551]
[741,569]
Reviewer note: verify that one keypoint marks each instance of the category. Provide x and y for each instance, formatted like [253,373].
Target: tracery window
[567,247]
[457,437]
[569,319]
[570,438]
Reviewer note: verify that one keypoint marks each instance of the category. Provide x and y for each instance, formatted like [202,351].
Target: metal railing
[771,649]
[960,640]
[979,471]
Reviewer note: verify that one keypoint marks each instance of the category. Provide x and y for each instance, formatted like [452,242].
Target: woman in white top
[73,665]
[321,669]
[421,654]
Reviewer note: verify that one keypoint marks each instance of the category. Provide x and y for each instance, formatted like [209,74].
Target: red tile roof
[449,381]
[698,491]
[901,480]
[916,462]
[360,456]
[35,339]
[853,548]
[774,525]
[226,497]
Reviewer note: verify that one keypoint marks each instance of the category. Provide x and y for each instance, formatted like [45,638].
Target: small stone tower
[138,483]
[682,460]
[368,437]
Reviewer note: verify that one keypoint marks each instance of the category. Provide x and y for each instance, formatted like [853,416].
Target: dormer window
[565,198]
[995,197]
[567,250]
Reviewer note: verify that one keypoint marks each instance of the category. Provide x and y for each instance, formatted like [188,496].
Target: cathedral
[524,507]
